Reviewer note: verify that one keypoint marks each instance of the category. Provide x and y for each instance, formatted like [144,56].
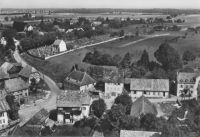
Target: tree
[126,61]
[9,34]
[188,56]
[159,73]
[14,107]
[98,107]
[168,57]
[33,86]
[116,59]
[144,60]
[126,101]
[148,122]
[6,18]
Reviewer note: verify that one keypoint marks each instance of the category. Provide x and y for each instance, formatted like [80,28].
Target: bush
[53,114]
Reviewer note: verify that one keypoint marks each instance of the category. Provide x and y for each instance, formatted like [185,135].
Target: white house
[28,28]
[3,41]
[155,88]
[78,80]
[72,106]
[4,107]
[59,45]
[186,81]
[113,89]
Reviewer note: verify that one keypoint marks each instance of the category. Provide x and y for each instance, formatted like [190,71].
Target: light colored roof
[150,84]
[79,78]
[3,75]
[16,84]
[73,99]
[26,71]
[142,106]
[130,133]
[185,77]
[6,67]
[57,42]
[4,105]
[97,134]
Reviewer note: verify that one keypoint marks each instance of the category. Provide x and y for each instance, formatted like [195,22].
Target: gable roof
[4,105]
[26,71]
[73,99]
[185,77]
[150,84]
[3,75]
[57,42]
[142,106]
[39,118]
[79,78]
[131,133]
[16,84]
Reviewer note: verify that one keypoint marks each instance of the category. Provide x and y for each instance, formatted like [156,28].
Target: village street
[49,104]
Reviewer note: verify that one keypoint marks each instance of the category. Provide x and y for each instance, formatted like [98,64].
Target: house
[78,80]
[114,88]
[59,45]
[3,41]
[96,23]
[72,106]
[186,81]
[154,88]
[28,28]
[4,107]
[131,133]
[17,87]
[142,106]
[26,72]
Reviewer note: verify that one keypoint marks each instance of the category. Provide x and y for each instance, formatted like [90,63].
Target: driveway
[49,104]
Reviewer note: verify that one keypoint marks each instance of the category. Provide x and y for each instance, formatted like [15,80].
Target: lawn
[58,67]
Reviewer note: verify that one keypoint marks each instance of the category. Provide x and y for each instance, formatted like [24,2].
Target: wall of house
[21,94]
[62,46]
[85,110]
[113,89]
[137,94]
[181,87]
[3,120]
[87,87]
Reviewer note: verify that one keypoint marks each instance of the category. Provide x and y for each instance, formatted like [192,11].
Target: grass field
[59,67]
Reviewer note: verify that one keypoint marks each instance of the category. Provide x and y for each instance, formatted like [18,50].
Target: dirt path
[147,37]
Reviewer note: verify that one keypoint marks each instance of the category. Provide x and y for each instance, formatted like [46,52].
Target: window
[135,92]
[158,93]
[181,86]
[191,86]
[83,108]
[154,93]
[113,94]
[144,92]
[3,120]
[0,122]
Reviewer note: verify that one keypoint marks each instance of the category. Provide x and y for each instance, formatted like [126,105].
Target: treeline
[37,41]
[97,58]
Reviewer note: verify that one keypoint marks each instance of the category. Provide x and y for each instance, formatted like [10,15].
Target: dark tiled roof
[4,105]
[184,77]
[73,99]
[79,78]
[150,84]
[142,106]
[39,118]
[16,84]
[26,71]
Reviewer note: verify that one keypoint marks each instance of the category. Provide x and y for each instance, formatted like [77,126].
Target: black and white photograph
[100,68]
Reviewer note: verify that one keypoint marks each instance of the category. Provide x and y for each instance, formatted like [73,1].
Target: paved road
[49,104]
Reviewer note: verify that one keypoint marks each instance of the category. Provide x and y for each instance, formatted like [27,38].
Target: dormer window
[181,80]
[186,80]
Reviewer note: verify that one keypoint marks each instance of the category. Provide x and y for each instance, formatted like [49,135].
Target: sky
[100,4]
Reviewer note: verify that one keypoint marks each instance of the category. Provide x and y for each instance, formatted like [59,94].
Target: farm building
[4,107]
[72,106]
[155,88]
[78,80]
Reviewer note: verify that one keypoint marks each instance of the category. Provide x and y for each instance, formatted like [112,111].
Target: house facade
[17,87]
[59,46]
[72,106]
[186,81]
[78,80]
[154,88]
[113,89]
[4,107]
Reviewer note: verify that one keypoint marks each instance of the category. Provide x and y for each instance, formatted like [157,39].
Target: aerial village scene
[107,68]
